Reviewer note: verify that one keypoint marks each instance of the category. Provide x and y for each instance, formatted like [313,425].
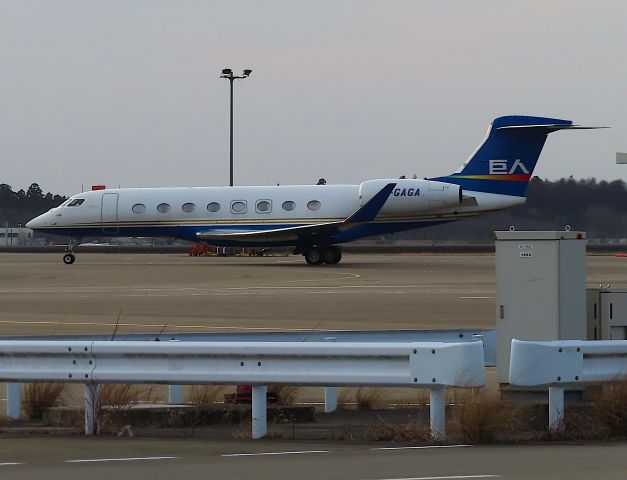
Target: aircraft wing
[277,235]
[310,233]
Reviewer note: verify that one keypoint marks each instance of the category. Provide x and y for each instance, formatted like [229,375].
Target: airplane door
[109,213]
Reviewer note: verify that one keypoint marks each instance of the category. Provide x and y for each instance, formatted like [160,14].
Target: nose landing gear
[68,257]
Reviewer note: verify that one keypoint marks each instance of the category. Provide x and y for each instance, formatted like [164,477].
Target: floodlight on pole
[228,74]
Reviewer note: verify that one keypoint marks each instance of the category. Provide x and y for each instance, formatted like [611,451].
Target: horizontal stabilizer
[551,127]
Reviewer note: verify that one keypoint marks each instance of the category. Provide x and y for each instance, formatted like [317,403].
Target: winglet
[372,207]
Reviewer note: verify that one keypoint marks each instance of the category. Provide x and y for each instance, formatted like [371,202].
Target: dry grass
[603,419]
[610,406]
[481,417]
[206,394]
[245,432]
[407,433]
[369,398]
[345,399]
[122,396]
[580,424]
[361,398]
[285,394]
[37,397]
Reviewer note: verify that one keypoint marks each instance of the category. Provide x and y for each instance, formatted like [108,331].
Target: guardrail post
[259,414]
[330,393]
[556,407]
[175,394]
[330,399]
[437,413]
[13,401]
[92,409]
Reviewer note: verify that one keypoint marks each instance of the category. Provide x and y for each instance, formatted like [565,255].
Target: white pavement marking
[155,325]
[347,276]
[8,464]
[352,289]
[421,447]
[444,477]
[472,298]
[302,452]
[123,459]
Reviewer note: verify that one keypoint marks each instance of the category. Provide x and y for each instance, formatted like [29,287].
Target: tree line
[596,207]
[19,207]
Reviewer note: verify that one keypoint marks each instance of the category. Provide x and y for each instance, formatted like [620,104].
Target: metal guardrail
[431,365]
[563,363]
[456,335]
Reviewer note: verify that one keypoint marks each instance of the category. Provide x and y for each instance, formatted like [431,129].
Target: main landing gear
[319,255]
[68,257]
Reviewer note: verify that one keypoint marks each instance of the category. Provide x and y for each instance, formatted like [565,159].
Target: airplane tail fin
[505,161]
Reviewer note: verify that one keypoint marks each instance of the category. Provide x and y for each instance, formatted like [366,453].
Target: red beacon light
[98,187]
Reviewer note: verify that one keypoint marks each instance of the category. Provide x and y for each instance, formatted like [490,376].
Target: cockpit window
[76,202]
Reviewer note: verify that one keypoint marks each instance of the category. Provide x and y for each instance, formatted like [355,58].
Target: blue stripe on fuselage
[188,232]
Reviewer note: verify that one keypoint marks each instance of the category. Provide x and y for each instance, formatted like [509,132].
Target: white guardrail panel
[432,365]
[567,362]
[46,361]
[425,364]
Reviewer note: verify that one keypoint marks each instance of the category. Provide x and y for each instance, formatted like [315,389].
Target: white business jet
[313,219]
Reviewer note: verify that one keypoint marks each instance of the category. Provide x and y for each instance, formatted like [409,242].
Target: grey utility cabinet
[607,313]
[540,289]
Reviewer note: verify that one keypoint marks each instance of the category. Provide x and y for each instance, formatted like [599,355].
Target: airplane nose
[35,223]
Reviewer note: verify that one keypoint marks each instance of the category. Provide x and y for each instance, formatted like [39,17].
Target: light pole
[228,74]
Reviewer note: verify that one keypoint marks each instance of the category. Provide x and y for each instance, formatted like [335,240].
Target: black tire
[69,258]
[338,255]
[313,257]
[331,255]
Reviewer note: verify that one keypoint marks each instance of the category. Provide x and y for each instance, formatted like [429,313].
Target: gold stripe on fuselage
[257,222]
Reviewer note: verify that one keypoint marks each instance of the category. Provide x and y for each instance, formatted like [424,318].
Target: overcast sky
[128,92]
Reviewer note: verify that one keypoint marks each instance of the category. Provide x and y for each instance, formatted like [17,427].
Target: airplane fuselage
[315,218]
[185,212]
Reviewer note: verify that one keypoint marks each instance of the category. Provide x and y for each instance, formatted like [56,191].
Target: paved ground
[106,458]
[39,294]
[226,294]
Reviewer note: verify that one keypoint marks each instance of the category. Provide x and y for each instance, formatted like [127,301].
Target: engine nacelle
[413,196]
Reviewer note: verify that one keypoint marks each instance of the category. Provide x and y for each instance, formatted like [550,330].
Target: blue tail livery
[505,161]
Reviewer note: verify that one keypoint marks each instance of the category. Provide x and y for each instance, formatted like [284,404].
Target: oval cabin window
[139,208]
[188,207]
[289,205]
[264,206]
[163,207]
[213,207]
[238,207]
[313,205]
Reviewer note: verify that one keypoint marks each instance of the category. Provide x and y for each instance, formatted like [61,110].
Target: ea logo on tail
[500,167]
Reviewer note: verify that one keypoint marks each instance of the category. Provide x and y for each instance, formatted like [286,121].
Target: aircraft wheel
[69,258]
[331,255]
[313,257]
